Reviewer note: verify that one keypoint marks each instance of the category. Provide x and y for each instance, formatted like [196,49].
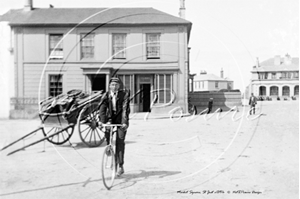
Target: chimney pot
[222,73]
[287,59]
[182,9]
[28,5]
[257,62]
[277,60]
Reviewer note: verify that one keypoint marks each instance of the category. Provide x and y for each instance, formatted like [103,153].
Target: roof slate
[269,65]
[63,16]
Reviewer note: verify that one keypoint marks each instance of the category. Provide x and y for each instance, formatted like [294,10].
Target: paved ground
[189,158]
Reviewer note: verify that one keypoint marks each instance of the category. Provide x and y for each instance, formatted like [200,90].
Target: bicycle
[109,166]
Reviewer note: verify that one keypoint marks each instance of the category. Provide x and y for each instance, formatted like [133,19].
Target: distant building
[276,77]
[211,82]
[51,52]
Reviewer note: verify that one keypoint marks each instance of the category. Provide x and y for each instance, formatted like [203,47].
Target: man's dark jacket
[122,106]
[252,101]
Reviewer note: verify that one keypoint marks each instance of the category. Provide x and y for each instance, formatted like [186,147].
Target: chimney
[277,60]
[287,59]
[257,62]
[28,5]
[182,9]
[203,72]
[221,73]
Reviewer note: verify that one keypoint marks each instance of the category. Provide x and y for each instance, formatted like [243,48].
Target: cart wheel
[61,137]
[108,167]
[88,126]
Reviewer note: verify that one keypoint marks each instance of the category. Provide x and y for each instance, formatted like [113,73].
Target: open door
[145,97]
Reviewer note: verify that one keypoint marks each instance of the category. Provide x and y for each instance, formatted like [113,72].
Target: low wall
[23,108]
[224,100]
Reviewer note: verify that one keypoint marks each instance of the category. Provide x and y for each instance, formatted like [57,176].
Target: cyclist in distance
[115,109]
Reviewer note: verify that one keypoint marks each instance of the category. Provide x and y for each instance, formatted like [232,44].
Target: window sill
[153,58]
[55,60]
[87,59]
[114,58]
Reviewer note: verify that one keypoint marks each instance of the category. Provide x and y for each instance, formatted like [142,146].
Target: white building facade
[211,82]
[6,69]
[276,77]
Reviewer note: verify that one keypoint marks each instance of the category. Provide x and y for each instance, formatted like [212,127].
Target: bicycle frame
[112,126]
[108,183]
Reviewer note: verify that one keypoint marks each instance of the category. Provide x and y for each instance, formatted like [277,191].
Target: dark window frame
[55,83]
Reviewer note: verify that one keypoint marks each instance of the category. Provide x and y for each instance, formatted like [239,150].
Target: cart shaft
[38,141]
[32,132]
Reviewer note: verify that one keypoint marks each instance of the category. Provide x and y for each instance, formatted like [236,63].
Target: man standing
[210,104]
[252,103]
[114,108]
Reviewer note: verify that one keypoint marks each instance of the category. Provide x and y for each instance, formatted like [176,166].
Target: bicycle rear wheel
[108,167]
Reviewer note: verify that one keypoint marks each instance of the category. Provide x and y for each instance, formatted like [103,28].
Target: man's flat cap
[114,79]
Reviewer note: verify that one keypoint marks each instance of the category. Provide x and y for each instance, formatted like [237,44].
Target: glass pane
[127,82]
[55,39]
[168,88]
[161,88]
[119,45]
[55,85]
[153,45]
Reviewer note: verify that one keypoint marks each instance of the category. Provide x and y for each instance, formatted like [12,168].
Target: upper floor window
[261,75]
[296,74]
[273,75]
[119,46]
[87,45]
[266,75]
[217,84]
[153,45]
[229,86]
[55,85]
[286,75]
[56,50]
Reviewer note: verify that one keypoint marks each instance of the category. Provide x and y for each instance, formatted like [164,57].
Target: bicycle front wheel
[108,167]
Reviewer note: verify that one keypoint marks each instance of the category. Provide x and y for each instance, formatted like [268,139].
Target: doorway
[145,97]
[98,82]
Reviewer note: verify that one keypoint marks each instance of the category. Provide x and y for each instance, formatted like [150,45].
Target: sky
[226,34]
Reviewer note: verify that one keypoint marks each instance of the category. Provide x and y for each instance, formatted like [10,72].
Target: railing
[21,103]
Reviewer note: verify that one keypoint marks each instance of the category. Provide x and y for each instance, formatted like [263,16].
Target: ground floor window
[286,91]
[127,83]
[296,90]
[163,86]
[262,90]
[55,85]
[274,90]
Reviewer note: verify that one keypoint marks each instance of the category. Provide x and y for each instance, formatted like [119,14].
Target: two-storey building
[58,49]
[211,82]
[276,77]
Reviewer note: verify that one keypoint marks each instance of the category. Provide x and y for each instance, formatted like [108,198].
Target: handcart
[59,116]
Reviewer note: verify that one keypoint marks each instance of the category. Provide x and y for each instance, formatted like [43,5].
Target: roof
[90,16]
[269,65]
[209,77]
